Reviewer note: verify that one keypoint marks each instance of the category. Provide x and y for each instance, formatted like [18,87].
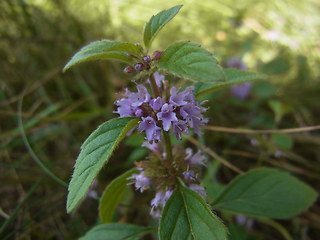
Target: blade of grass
[251,131]
[33,155]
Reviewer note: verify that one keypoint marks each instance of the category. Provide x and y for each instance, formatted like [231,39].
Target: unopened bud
[156,55]
[146,59]
[129,69]
[139,67]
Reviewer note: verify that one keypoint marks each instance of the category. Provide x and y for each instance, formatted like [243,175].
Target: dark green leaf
[266,192]
[113,195]
[95,152]
[187,216]
[156,23]
[190,61]
[282,141]
[104,49]
[115,231]
[233,76]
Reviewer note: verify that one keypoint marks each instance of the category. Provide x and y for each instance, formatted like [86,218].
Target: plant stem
[166,136]
[154,86]
[168,145]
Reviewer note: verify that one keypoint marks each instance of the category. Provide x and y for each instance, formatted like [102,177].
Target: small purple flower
[198,189]
[167,116]
[197,158]
[154,147]
[124,108]
[159,201]
[188,175]
[159,78]
[140,97]
[141,181]
[156,103]
[241,91]
[179,127]
[237,63]
[148,125]
[193,114]
[177,99]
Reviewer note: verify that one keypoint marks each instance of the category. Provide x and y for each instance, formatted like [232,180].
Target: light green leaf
[190,61]
[156,23]
[95,152]
[186,216]
[116,231]
[113,195]
[267,193]
[104,49]
[233,76]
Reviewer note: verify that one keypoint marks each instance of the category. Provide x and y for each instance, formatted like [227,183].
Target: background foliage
[59,111]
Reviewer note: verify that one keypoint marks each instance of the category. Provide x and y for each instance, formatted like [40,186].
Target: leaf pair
[183,59]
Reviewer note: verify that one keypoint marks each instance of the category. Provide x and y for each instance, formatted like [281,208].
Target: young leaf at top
[186,216]
[104,49]
[267,193]
[113,195]
[95,152]
[116,231]
[156,23]
[190,61]
[233,76]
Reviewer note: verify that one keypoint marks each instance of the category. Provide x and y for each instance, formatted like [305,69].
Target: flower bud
[146,59]
[139,67]
[156,55]
[129,69]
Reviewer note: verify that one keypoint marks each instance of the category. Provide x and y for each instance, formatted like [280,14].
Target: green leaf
[95,152]
[282,141]
[113,195]
[266,192]
[233,76]
[187,216]
[190,61]
[156,23]
[104,49]
[115,231]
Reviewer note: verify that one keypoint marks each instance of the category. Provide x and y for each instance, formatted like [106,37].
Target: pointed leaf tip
[157,22]
[95,152]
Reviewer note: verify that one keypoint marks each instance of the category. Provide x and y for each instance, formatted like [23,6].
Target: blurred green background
[37,37]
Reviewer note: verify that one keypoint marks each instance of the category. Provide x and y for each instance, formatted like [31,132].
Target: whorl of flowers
[160,175]
[178,110]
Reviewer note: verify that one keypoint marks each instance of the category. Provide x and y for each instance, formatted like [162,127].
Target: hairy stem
[166,136]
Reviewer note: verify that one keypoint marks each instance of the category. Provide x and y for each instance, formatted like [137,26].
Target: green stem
[168,145]
[166,136]
[154,86]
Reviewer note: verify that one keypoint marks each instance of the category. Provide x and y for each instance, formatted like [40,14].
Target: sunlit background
[38,37]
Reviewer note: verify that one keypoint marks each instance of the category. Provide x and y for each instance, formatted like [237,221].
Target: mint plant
[158,109]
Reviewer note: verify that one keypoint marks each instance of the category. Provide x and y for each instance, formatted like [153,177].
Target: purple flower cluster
[161,182]
[179,112]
